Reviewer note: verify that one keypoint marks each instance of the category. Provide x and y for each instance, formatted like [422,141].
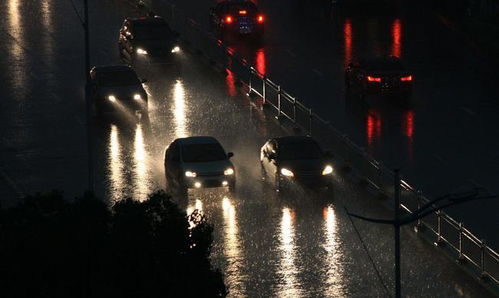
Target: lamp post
[426,209]
[88,105]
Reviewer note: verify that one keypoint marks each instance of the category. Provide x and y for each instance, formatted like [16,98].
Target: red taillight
[406,79]
[228,19]
[373,79]
[242,12]
[260,19]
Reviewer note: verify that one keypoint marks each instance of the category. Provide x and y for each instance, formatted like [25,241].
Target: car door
[172,164]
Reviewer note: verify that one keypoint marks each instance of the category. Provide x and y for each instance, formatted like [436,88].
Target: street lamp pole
[87,98]
[396,227]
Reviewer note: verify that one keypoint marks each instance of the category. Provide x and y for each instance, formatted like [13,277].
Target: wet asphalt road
[298,245]
[445,141]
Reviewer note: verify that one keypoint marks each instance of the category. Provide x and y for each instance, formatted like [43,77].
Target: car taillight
[260,19]
[406,79]
[228,19]
[373,79]
[242,12]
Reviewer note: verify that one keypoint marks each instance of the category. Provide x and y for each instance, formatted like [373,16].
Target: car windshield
[384,65]
[203,152]
[152,31]
[117,78]
[299,150]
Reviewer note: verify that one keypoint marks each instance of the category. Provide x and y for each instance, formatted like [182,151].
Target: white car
[198,162]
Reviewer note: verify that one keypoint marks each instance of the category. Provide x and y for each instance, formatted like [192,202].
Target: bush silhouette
[50,247]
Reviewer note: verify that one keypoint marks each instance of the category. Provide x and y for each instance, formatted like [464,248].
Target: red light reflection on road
[396,38]
[231,83]
[408,128]
[260,61]
[373,126]
[347,35]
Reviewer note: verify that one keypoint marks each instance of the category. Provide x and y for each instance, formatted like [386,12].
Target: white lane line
[470,112]
[317,72]
[291,53]
[11,183]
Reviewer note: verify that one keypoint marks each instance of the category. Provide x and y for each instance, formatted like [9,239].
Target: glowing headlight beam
[176,49]
[190,174]
[327,170]
[111,98]
[141,51]
[137,96]
[287,172]
[229,171]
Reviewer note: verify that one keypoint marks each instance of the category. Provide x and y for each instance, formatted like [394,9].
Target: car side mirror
[143,81]
[230,154]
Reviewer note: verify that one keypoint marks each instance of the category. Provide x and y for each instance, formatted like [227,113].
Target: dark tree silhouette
[50,247]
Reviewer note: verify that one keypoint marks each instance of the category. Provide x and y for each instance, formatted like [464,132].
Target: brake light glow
[242,12]
[373,79]
[228,19]
[260,19]
[406,79]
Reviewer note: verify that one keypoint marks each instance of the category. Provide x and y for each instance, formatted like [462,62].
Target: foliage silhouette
[50,247]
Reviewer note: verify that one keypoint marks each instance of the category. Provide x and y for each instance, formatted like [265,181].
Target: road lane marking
[470,112]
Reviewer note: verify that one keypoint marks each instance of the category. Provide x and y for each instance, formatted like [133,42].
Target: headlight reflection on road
[335,272]
[234,277]
[115,165]
[141,175]
[287,269]
[16,52]
[179,110]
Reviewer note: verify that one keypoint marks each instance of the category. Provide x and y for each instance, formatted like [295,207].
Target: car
[198,162]
[148,40]
[241,17]
[117,87]
[378,76]
[295,159]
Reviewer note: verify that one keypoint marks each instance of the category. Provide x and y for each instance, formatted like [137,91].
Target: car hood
[207,167]
[122,91]
[161,45]
[304,165]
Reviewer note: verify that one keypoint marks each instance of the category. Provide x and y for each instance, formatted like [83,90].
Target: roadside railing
[448,232]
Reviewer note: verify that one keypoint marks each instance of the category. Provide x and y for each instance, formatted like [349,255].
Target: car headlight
[190,174]
[137,96]
[327,170]
[229,171]
[141,51]
[287,172]
[111,98]
[176,49]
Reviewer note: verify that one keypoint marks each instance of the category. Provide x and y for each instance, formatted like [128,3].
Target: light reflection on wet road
[266,245]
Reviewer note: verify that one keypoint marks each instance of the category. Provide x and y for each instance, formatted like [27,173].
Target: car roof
[198,140]
[295,139]
[111,68]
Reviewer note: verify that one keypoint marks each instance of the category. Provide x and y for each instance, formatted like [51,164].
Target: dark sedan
[378,76]
[295,159]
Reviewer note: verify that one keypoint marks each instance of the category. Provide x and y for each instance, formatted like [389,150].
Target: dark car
[148,40]
[240,17]
[198,162]
[117,87]
[379,76]
[299,159]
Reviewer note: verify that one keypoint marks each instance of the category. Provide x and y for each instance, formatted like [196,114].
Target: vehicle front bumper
[210,181]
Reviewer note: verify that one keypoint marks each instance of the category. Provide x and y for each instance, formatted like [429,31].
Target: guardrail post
[311,120]
[461,259]
[278,101]
[419,223]
[264,90]
[294,110]
[483,275]
[439,241]
[250,82]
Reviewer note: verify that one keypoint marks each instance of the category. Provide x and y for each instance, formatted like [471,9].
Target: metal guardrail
[447,231]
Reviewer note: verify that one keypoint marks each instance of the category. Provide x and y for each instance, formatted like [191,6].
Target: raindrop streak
[233,275]
[287,267]
[141,175]
[335,272]
[179,110]
[115,165]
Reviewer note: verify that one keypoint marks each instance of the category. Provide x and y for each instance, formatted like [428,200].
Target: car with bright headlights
[147,40]
[116,88]
[297,160]
[198,162]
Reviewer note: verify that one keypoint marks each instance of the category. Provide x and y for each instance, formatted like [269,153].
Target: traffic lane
[452,110]
[264,244]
